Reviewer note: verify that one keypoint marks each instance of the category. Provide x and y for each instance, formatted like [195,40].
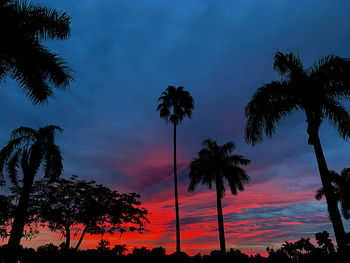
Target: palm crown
[215,165]
[341,189]
[28,149]
[315,90]
[176,103]
[24,26]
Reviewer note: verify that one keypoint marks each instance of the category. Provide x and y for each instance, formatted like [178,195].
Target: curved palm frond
[7,151]
[13,165]
[332,74]
[270,104]
[23,57]
[24,132]
[288,65]
[338,116]
[45,23]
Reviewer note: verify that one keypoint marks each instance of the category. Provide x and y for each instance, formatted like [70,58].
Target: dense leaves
[86,206]
[23,57]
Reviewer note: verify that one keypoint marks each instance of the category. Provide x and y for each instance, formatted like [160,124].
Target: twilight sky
[125,53]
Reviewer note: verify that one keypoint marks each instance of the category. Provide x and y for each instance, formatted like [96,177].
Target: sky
[125,53]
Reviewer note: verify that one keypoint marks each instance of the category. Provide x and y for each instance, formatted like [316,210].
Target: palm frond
[270,104]
[13,165]
[24,132]
[7,151]
[338,116]
[288,65]
[45,23]
[331,73]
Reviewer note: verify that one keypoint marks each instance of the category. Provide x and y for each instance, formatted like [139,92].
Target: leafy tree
[316,91]
[175,105]
[120,250]
[29,149]
[341,189]
[216,165]
[142,251]
[67,204]
[304,244]
[103,246]
[23,57]
[325,242]
[158,251]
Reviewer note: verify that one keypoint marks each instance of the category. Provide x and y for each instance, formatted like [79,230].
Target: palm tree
[23,57]
[315,91]
[29,149]
[175,105]
[341,189]
[215,165]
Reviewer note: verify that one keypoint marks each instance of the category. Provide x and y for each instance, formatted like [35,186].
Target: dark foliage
[23,57]
[65,204]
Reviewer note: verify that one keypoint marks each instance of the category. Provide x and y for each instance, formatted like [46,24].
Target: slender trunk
[332,205]
[21,212]
[176,198]
[67,237]
[220,221]
[81,238]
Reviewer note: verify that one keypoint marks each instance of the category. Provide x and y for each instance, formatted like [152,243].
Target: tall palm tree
[23,57]
[341,189]
[316,91]
[29,150]
[216,165]
[175,105]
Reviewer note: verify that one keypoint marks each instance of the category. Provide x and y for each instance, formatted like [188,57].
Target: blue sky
[125,53]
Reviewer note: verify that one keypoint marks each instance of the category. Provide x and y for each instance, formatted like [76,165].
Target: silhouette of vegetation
[120,250]
[175,105]
[316,91]
[67,204]
[325,242]
[6,209]
[24,26]
[216,165]
[341,189]
[29,149]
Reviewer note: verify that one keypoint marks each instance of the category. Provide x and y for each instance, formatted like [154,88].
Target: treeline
[290,252]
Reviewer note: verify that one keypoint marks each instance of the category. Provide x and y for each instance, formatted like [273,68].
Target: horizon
[125,55]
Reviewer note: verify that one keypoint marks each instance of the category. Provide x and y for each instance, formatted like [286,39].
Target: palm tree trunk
[67,237]
[176,198]
[20,213]
[220,221]
[332,205]
[81,238]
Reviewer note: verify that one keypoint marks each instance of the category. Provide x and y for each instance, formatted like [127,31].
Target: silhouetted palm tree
[23,28]
[315,91]
[29,149]
[175,105]
[341,189]
[216,165]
